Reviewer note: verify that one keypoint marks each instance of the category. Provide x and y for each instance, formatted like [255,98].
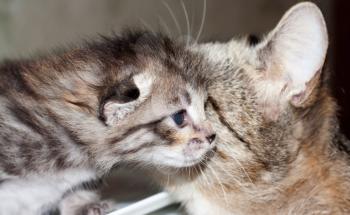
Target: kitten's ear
[123,99]
[293,55]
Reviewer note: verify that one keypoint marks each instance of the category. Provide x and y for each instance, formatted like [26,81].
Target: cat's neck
[310,175]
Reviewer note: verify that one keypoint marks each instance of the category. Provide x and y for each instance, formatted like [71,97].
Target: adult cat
[279,149]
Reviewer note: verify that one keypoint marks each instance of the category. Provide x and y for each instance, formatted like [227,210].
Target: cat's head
[154,105]
[267,101]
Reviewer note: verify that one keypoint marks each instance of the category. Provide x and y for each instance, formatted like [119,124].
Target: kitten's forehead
[175,95]
[169,73]
[179,78]
[168,58]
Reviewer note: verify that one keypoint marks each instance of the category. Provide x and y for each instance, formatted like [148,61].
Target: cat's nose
[211,138]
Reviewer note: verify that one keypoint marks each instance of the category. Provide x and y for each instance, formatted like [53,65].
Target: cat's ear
[293,55]
[122,99]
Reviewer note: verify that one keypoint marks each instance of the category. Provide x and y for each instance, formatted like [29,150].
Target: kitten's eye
[179,118]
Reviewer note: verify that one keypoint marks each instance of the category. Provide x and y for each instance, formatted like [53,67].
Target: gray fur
[68,118]
[279,148]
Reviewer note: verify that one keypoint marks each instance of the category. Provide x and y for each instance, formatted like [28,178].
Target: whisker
[231,175]
[146,25]
[220,183]
[187,22]
[302,203]
[168,180]
[192,22]
[196,171]
[245,172]
[164,26]
[202,21]
[188,171]
[173,16]
[203,175]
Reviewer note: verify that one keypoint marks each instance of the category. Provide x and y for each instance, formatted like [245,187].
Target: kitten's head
[154,105]
[267,101]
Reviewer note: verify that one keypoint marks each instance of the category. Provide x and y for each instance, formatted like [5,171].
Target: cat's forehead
[235,52]
[229,63]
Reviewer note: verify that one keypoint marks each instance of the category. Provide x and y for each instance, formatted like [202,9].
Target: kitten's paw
[83,202]
[95,209]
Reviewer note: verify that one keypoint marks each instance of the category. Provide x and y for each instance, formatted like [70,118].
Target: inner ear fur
[122,98]
[293,55]
[119,93]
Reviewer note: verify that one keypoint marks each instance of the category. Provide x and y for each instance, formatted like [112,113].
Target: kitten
[67,119]
[279,148]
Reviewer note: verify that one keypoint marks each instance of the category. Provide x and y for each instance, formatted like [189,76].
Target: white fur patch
[32,194]
[196,108]
[196,203]
[117,111]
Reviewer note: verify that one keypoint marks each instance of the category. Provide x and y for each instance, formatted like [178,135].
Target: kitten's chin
[187,162]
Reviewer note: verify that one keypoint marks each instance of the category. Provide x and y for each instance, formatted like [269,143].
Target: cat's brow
[222,119]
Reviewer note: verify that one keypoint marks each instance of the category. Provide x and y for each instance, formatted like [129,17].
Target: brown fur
[69,118]
[274,155]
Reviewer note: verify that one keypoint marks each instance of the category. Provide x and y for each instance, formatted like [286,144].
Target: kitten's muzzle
[209,133]
[206,133]
[209,138]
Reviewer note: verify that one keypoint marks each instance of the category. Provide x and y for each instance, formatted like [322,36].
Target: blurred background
[27,26]
[31,26]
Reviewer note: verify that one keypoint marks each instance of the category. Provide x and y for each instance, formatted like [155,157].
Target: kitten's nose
[211,138]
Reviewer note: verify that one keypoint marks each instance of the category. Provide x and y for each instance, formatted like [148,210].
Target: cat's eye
[179,118]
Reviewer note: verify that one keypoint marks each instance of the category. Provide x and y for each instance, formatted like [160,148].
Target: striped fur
[279,148]
[70,117]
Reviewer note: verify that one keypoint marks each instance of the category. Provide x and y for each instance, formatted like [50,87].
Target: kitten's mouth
[193,162]
[201,160]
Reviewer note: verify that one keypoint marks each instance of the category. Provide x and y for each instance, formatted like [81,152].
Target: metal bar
[147,205]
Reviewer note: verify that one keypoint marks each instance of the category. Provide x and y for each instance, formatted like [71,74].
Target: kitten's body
[279,149]
[42,157]
[69,118]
